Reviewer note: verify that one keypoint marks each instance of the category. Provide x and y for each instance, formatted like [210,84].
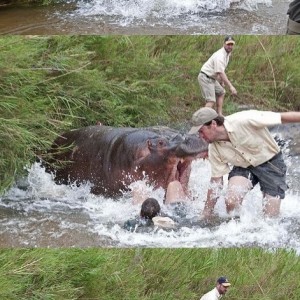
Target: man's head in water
[150,208]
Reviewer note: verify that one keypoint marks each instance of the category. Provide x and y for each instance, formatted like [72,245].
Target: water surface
[39,213]
[148,17]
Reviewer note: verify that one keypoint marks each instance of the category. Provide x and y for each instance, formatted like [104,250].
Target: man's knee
[271,207]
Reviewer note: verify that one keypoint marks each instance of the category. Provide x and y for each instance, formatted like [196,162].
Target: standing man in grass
[220,290]
[212,77]
[242,146]
[293,26]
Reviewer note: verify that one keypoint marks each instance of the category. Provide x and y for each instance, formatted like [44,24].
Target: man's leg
[220,100]
[210,104]
[271,207]
[238,186]
[220,95]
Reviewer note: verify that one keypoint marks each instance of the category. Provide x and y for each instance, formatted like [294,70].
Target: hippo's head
[171,156]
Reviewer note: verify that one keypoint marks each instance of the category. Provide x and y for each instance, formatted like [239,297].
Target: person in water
[150,208]
[150,213]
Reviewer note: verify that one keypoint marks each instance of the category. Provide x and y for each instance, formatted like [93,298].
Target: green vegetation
[147,273]
[49,84]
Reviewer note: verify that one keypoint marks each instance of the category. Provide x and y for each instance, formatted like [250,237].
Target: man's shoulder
[219,52]
[211,295]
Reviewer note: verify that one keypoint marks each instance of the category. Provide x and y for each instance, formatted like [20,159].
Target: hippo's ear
[149,143]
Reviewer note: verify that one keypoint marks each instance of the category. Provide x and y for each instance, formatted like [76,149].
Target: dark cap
[224,281]
[229,40]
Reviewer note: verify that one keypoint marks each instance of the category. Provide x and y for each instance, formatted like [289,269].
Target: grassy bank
[52,83]
[147,273]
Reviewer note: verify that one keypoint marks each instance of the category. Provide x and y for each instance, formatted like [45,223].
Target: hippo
[112,158]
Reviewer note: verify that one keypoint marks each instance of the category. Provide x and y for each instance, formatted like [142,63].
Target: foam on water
[72,207]
[162,8]
[174,13]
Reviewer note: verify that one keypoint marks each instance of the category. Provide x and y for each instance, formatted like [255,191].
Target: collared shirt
[217,63]
[251,143]
[212,295]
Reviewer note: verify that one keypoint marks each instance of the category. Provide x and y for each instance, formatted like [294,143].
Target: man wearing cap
[212,77]
[241,145]
[220,290]
[293,26]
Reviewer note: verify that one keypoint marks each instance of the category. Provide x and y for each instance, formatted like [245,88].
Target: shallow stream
[39,213]
[148,17]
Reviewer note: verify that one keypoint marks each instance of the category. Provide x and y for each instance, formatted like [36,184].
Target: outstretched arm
[290,117]
[216,183]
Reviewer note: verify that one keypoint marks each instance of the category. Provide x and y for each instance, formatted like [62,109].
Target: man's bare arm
[290,117]
[227,82]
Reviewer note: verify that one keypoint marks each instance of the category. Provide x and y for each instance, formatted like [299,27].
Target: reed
[49,84]
[147,273]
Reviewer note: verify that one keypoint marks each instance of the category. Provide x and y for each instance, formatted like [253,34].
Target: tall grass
[49,84]
[147,273]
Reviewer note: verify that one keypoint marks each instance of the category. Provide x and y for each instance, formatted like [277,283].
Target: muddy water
[39,213]
[150,17]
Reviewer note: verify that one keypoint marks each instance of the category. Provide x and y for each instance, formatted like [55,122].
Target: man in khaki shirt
[212,77]
[241,145]
[220,290]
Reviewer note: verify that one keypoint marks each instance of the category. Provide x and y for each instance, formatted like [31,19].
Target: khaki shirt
[212,295]
[251,143]
[217,63]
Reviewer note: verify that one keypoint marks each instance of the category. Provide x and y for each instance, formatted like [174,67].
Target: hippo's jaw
[181,169]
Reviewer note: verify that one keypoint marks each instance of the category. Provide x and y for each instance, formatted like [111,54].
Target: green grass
[147,273]
[49,84]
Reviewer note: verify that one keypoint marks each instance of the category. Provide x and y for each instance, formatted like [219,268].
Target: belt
[275,156]
[293,26]
[206,75]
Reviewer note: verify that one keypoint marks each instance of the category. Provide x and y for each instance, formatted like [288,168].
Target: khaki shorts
[210,87]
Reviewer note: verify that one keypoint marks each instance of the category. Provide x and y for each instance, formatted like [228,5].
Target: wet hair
[219,120]
[150,208]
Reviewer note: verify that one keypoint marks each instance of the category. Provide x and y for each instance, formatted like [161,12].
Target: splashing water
[149,17]
[143,9]
[43,214]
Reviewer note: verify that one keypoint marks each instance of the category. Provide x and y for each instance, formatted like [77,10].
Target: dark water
[148,17]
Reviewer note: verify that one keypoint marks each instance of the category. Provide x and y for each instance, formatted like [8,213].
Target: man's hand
[233,90]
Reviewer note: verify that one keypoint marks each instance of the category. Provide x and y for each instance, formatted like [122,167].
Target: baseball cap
[224,281]
[229,40]
[200,117]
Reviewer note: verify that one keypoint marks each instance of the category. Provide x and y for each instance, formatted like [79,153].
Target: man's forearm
[225,79]
[290,117]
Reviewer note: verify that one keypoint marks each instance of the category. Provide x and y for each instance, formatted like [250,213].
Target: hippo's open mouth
[182,169]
